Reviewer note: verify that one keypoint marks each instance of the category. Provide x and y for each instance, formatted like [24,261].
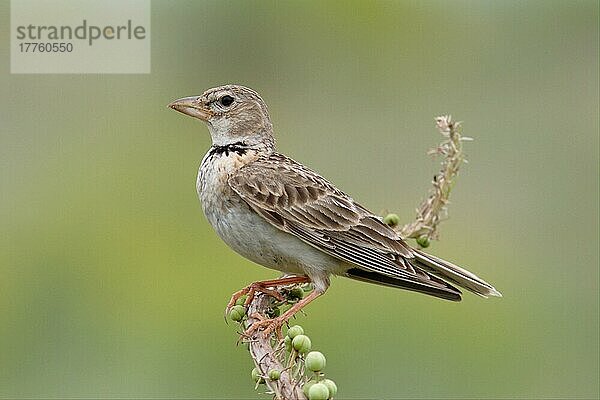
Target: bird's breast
[228,213]
[214,172]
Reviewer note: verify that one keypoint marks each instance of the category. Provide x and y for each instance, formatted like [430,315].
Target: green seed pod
[241,300]
[237,313]
[308,287]
[274,374]
[296,293]
[331,386]
[307,386]
[256,376]
[423,241]
[391,220]
[295,331]
[287,341]
[318,391]
[315,361]
[274,312]
[301,344]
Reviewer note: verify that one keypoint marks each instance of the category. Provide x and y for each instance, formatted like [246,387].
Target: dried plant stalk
[433,209]
[268,353]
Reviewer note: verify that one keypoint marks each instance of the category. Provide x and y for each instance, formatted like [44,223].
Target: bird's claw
[250,292]
[267,325]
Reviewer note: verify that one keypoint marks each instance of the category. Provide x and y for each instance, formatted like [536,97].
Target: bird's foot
[270,325]
[263,287]
[250,292]
[267,325]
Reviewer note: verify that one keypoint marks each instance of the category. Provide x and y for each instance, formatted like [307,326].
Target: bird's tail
[454,274]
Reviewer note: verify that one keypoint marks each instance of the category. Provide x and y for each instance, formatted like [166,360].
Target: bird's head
[232,113]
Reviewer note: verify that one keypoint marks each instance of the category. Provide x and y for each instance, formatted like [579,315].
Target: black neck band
[239,148]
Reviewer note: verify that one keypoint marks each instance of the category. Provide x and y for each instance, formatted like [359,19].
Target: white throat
[221,136]
[219,132]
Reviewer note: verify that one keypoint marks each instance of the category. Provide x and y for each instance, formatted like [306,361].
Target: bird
[284,216]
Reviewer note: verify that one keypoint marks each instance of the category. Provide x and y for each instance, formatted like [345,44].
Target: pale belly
[253,237]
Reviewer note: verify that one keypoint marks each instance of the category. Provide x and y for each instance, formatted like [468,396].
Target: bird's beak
[193,107]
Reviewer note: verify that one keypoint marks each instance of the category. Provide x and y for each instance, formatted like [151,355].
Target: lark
[280,214]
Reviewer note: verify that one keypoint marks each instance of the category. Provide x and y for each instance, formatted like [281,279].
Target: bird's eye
[226,100]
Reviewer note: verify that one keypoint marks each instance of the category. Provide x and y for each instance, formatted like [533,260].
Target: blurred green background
[112,284]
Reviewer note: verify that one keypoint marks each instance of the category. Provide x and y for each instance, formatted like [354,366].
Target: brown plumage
[280,214]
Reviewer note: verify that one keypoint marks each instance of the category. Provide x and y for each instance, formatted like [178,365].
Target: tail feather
[453,273]
[432,286]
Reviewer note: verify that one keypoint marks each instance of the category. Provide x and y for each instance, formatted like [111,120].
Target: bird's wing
[298,201]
